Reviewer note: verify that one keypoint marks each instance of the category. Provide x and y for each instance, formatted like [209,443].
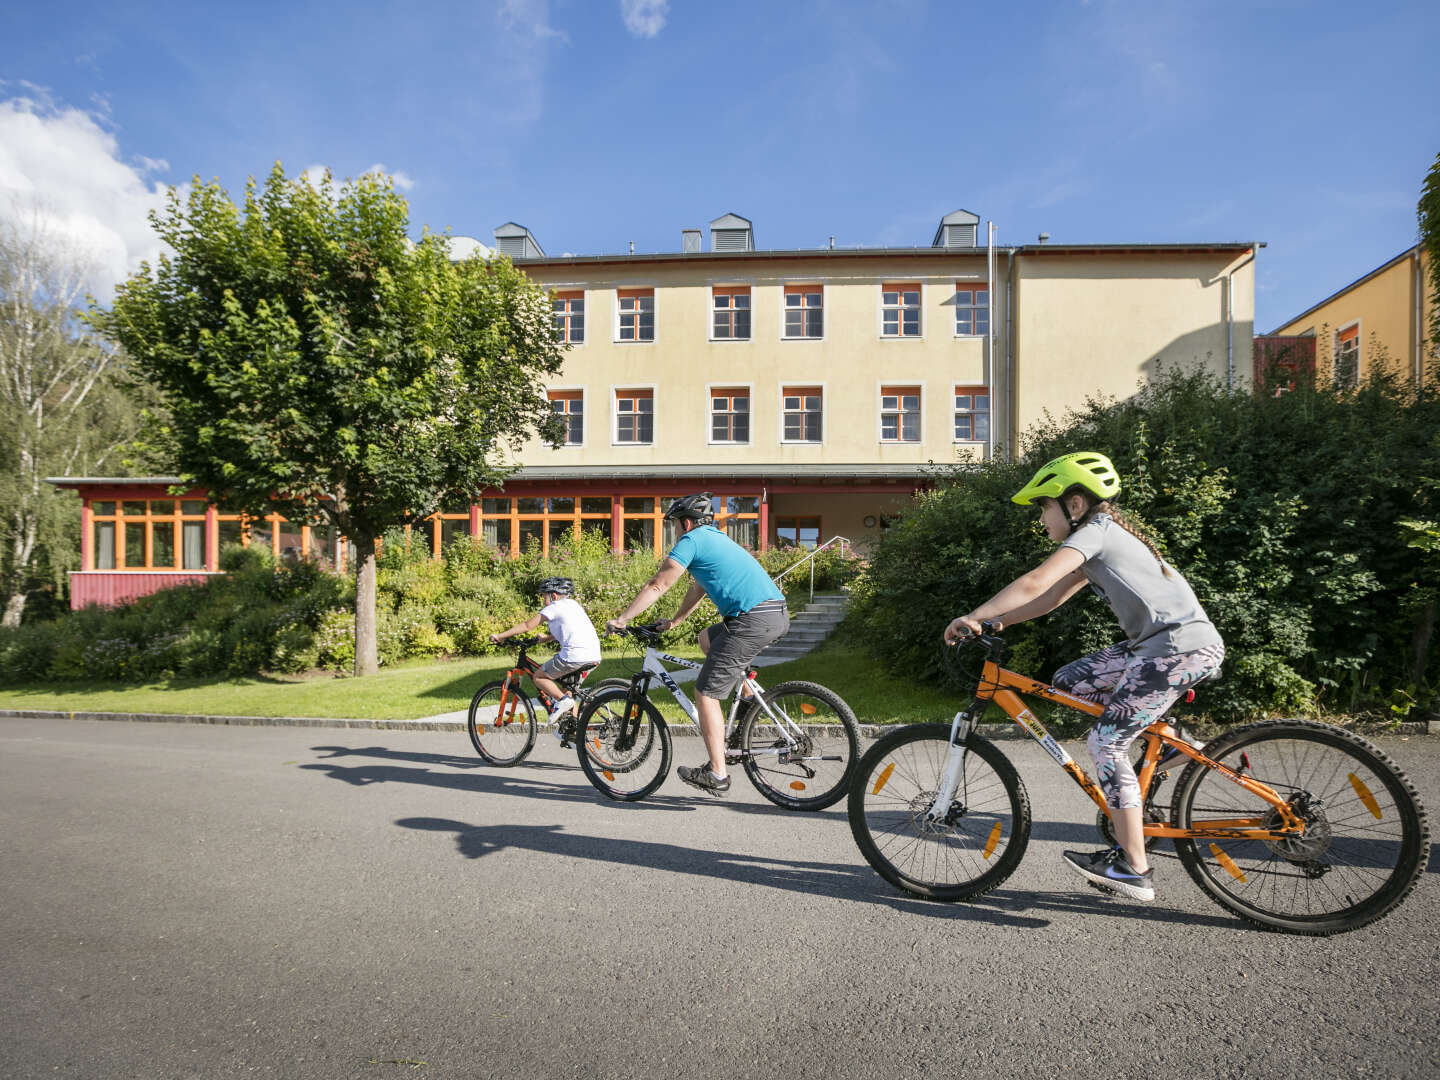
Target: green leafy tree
[1428,212]
[313,359]
[62,409]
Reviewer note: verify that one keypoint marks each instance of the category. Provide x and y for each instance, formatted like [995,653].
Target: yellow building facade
[1378,322]
[815,390]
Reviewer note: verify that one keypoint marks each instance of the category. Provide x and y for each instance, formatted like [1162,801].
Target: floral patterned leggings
[1136,691]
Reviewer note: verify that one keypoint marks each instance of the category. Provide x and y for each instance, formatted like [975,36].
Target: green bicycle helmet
[1085,469]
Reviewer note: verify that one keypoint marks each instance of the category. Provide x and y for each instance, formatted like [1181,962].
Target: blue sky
[600,122]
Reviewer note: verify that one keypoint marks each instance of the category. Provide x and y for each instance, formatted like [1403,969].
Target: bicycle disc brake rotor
[1315,841]
[920,807]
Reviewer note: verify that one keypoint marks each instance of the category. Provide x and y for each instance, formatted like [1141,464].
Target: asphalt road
[190,901]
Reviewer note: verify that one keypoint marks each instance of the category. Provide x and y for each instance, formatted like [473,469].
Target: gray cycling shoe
[701,777]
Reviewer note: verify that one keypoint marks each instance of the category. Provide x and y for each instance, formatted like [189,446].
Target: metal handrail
[810,558]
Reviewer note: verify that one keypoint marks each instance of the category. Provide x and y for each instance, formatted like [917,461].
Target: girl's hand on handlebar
[960,629]
[495,639]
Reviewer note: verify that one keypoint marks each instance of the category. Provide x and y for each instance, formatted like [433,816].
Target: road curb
[869,731]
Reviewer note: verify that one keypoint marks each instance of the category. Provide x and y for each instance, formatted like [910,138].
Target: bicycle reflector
[1365,796]
[1189,697]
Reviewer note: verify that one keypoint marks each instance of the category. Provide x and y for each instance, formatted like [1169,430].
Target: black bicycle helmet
[694,507]
[564,586]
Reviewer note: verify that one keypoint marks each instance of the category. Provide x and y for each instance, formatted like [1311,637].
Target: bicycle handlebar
[644,631]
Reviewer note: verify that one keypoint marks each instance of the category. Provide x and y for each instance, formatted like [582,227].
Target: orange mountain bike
[1293,825]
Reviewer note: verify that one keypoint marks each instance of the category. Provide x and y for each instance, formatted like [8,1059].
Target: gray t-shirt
[1158,612]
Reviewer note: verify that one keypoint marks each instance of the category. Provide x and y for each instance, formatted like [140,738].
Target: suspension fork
[961,728]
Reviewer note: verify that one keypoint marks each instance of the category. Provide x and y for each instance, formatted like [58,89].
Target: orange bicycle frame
[1004,688]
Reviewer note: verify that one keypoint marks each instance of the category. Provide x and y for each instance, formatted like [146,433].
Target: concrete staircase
[808,628]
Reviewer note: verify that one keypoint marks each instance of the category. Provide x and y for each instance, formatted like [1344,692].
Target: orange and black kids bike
[501,721]
[1293,825]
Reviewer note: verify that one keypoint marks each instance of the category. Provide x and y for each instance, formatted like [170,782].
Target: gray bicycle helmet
[563,586]
[694,507]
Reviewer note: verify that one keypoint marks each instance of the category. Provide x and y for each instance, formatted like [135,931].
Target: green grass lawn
[418,689]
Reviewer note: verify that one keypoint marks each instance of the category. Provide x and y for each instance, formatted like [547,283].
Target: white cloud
[60,167]
[315,174]
[531,17]
[399,179]
[644,18]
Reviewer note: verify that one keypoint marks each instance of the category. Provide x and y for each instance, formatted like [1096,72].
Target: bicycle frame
[513,687]
[1004,688]
[654,667]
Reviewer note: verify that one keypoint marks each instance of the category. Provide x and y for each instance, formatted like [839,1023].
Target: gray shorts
[737,641]
[557,669]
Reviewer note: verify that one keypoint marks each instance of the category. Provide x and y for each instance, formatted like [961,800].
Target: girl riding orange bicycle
[1170,642]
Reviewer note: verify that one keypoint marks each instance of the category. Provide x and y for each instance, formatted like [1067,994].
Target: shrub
[1282,513]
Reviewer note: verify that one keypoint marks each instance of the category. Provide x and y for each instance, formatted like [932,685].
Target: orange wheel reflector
[595,742]
[884,778]
[608,775]
[1227,862]
[1365,796]
[808,710]
[797,785]
[990,843]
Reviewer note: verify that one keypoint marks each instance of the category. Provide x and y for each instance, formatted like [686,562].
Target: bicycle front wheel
[807,766]
[968,853]
[501,723]
[624,747]
[1365,840]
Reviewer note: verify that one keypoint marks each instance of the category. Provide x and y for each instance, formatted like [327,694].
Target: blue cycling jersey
[727,572]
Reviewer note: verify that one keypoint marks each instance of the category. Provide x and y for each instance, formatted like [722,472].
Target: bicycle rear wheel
[1365,842]
[501,723]
[625,754]
[810,771]
[973,850]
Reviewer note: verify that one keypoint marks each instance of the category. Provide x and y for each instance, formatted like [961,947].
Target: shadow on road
[836,880]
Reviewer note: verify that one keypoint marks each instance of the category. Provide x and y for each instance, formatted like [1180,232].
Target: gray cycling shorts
[557,669]
[737,641]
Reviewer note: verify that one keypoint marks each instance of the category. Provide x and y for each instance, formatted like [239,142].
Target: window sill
[729,340]
[802,442]
[637,445]
[627,341]
[820,338]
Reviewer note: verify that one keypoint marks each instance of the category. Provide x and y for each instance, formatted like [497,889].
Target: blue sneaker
[1112,870]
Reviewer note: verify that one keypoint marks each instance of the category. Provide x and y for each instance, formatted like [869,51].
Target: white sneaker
[562,709]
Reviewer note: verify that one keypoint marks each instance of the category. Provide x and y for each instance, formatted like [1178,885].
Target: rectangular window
[801,410]
[900,414]
[105,545]
[739,516]
[797,532]
[730,312]
[972,413]
[804,311]
[972,310]
[730,415]
[569,405]
[634,416]
[900,310]
[1347,358]
[637,314]
[569,314]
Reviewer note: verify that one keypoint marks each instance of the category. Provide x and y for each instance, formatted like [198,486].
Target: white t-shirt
[572,628]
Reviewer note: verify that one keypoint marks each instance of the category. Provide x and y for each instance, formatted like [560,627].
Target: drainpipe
[1230,318]
[990,338]
[1009,350]
[1419,361]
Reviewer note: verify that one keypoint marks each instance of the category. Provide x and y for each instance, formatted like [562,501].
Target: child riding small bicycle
[1170,642]
[571,629]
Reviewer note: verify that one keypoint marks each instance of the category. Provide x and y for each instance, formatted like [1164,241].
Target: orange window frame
[635,311]
[727,415]
[728,314]
[975,393]
[635,396]
[574,406]
[802,412]
[971,310]
[810,301]
[899,307]
[900,412]
[568,308]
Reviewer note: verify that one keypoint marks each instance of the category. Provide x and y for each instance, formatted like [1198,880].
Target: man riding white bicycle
[752,609]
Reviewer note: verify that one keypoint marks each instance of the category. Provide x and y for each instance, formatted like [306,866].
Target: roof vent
[515,241]
[690,241]
[957,230]
[731,233]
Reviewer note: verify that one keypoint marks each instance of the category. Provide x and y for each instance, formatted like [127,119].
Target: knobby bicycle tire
[625,756]
[800,778]
[501,740]
[961,859]
[1364,848]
